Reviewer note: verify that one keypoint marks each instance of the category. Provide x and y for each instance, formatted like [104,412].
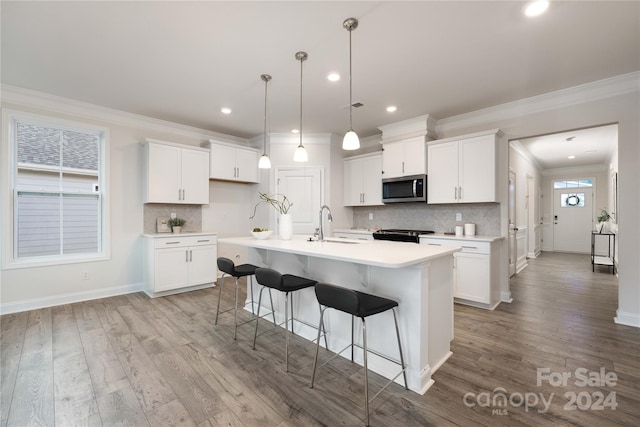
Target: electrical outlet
[84,275]
[459,216]
[370,216]
[173,215]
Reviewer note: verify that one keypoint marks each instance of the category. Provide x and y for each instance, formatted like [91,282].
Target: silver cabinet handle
[186,255]
[435,244]
[202,241]
[460,193]
[455,193]
[172,243]
[179,194]
[190,255]
[184,197]
[363,199]
[469,247]
[402,167]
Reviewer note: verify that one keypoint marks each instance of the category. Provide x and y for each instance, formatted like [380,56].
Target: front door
[303,186]
[572,216]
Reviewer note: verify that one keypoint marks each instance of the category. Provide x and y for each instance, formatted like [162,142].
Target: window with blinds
[58,198]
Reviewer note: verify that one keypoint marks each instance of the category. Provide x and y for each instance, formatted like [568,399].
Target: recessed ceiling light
[225,110]
[536,8]
[295,131]
[391,108]
[333,77]
[571,157]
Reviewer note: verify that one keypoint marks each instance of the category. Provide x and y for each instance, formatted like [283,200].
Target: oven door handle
[415,184]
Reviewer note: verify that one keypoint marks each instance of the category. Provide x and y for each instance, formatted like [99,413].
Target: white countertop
[372,252]
[183,234]
[463,238]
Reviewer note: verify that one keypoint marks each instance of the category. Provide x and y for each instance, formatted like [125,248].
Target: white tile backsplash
[439,218]
[192,213]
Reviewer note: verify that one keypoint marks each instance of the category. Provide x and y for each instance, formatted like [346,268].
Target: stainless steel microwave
[404,189]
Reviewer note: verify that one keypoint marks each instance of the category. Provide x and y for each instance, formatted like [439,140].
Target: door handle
[190,255]
[186,255]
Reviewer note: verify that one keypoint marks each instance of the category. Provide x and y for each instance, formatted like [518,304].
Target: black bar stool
[361,305]
[286,283]
[228,267]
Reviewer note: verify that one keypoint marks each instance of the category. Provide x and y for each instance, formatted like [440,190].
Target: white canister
[459,230]
[469,229]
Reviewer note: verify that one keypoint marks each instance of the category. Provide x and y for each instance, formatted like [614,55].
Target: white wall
[527,211]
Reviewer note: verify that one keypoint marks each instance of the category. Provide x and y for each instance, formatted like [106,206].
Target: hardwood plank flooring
[131,360]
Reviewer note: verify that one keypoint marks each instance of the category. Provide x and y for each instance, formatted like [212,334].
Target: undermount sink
[346,242]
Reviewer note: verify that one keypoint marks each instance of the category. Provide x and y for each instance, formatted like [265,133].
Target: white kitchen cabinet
[463,170]
[233,163]
[174,173]
[404,158]
[362,180]
[178,263]
[476,270]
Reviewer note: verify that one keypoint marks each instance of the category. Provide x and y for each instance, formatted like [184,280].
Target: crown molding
[27,98]
[520,149]
[418,126]
[581,94]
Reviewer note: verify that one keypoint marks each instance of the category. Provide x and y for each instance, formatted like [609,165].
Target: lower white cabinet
[476,270]
[177,263]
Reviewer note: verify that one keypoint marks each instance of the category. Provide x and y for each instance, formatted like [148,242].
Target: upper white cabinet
[233,163]
[404,158]
[463,170]
[362,180]
[175,173]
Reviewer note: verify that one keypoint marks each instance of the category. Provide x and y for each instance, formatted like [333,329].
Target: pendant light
[351,140]
[265,162]
[300,155]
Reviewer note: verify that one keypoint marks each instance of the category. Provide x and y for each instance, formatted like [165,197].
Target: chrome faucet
[330,218]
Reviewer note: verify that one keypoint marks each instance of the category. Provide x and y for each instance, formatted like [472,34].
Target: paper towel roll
[469,229]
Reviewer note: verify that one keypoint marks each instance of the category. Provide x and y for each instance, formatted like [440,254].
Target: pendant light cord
[266,84]
[301,61]
[350,88]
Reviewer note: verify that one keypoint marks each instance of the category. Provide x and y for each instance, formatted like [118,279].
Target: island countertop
[375,252]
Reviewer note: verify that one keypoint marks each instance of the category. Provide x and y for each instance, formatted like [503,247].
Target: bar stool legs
[361,305]
[235,310]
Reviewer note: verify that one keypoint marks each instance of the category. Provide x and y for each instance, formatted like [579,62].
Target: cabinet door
[472,277]
[171,269]
[223,162]
[352,180]
[202,264]
[163,174]
[477,179]
[415,157]
[392,160]
[442,174]
[195,176]
[247,165]
[372,180]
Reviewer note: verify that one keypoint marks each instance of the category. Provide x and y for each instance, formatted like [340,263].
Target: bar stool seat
[228,267]
[272,279]
[362,305]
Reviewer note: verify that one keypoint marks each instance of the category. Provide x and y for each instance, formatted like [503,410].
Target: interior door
[303,186]
[513,255]
[572,219]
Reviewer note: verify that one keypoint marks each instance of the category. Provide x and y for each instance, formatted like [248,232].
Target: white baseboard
[629,319]
[33,304]
[533,255]
[506,297]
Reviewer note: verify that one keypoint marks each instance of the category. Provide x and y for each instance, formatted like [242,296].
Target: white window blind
[58,200]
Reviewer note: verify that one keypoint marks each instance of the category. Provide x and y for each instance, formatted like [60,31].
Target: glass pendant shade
[300,155]
[350,141]
[264,162]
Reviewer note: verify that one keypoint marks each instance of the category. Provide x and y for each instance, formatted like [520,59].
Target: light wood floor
[131,360]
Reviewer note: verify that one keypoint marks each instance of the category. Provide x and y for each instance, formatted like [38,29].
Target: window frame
[10,165]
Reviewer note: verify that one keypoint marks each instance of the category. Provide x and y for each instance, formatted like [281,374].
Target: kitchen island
[419,277]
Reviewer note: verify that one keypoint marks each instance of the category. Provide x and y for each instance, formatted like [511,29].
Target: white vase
[285,227]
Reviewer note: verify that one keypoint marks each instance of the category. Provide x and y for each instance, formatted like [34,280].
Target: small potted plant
[603,221]
[176,224]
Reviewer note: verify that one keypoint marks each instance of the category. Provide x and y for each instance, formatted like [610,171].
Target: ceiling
[592,146]
[183,61]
